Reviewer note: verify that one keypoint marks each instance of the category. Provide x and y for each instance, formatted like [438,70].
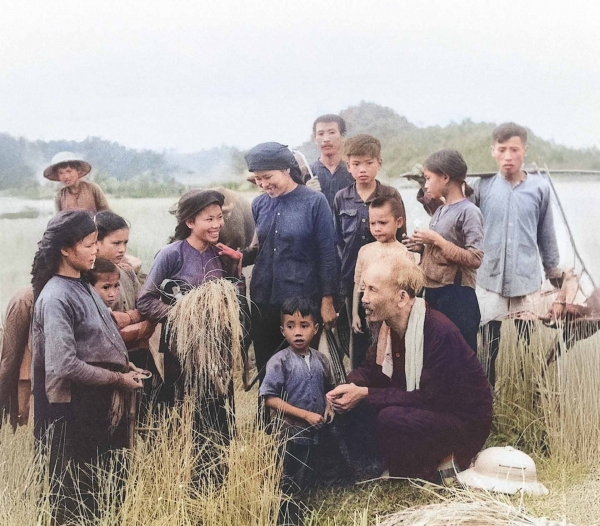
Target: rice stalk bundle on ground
[206,332]
[465,507]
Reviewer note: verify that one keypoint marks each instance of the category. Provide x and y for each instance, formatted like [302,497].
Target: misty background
[176,92]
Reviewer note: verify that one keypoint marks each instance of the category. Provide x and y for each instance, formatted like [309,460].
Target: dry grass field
[552,413]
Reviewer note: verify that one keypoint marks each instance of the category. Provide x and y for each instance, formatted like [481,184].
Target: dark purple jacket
[452,380]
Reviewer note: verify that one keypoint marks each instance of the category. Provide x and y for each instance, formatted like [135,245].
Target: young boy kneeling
[295,384]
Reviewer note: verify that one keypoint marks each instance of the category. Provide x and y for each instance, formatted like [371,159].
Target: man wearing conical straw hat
[421,395]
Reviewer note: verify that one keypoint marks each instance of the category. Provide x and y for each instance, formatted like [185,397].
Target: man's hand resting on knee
[345,397]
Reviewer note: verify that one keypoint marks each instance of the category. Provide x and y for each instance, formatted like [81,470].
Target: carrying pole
[546,173]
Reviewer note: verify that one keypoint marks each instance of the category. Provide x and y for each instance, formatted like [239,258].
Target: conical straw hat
[63,157]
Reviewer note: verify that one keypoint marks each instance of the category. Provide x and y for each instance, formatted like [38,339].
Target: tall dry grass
[549,410]
[24,487]
[155,483]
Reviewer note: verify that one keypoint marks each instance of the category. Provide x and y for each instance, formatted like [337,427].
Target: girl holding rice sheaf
[192,258]
[81,374]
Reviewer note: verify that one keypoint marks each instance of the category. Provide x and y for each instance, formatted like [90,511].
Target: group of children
[369,222]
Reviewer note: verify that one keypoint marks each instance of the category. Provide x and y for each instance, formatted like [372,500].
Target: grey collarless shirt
[518,234]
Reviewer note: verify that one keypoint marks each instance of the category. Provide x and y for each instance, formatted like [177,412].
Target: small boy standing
[295,384]
[351,217]
[76,194]
[385,218]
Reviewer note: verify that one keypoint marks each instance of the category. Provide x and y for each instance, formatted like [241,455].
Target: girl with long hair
[113,238]
[81,374]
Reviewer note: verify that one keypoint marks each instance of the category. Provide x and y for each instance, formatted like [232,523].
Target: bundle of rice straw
[466,507]
[205,334]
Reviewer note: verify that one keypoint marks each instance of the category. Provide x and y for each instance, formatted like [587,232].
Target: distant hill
[404,144]
[126,171]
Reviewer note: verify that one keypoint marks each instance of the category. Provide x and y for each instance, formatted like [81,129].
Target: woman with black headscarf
[295,255]
[80,367]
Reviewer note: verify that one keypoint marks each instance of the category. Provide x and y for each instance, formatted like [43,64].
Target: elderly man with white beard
[421,396]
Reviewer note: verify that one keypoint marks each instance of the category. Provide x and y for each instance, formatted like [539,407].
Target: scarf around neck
[413,363]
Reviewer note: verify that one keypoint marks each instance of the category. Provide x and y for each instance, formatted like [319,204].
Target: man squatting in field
[421,394]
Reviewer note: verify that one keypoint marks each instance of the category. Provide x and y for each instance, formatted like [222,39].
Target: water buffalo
[239,223]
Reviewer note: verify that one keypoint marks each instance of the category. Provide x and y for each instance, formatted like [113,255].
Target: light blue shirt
[290,378]
[518,232]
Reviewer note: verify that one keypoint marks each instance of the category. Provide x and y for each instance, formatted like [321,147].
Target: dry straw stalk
[206,333]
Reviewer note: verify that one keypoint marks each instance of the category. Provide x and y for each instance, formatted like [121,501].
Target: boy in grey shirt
[295,384]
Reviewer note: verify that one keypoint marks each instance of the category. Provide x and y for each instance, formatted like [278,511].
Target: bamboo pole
[546,172]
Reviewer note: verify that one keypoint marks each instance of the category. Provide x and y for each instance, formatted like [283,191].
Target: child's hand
[557,311]
[412,245]
[329,413]
[426,237]
[224,250]
[314,419]
[356,324]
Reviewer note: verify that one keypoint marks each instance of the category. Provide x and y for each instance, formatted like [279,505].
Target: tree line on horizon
[143,173]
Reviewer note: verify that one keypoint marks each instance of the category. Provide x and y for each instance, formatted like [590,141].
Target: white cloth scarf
[413,362]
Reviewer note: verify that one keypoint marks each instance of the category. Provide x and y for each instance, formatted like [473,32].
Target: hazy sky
[196,74]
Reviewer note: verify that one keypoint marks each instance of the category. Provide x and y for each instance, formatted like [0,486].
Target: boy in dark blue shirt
[294,387]
[351,219]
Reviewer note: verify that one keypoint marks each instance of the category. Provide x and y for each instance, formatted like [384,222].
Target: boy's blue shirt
[288,377]
[351,221]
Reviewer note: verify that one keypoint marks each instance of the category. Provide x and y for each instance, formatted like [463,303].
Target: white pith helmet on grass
[503,470]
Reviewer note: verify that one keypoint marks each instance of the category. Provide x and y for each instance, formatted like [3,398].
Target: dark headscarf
[273,156]
[189,205]
[65,229]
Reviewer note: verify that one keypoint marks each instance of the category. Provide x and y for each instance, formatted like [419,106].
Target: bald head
[389,287]
[401,273]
